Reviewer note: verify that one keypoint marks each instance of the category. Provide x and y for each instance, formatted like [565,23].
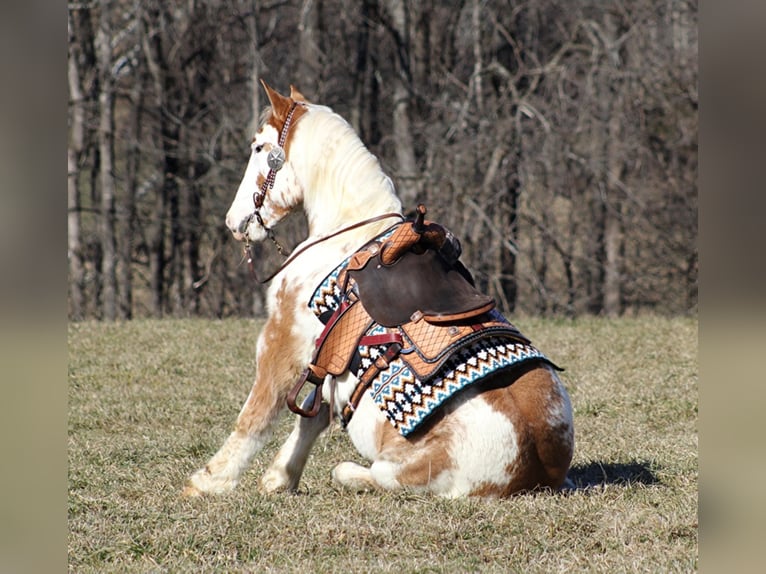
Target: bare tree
[74,159]
[310,65]
[397,18]
[557,140]
[106,154]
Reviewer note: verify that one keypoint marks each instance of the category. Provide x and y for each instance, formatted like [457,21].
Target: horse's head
[269,190]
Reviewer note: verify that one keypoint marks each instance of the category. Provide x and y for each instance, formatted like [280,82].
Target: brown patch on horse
[279,364]
[544,452]
[424,456]
[279,211]
[280,108]
[297,95]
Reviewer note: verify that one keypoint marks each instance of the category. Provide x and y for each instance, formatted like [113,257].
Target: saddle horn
[424,234]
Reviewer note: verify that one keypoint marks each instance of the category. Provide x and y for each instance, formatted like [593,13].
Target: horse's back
[511,432]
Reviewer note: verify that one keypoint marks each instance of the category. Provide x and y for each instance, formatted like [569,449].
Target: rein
[293,256]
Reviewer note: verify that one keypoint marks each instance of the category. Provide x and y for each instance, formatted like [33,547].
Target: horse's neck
[344,183]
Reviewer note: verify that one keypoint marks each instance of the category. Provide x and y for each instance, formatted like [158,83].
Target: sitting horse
[503,430]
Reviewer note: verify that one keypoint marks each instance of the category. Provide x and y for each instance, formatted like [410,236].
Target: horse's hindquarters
[537,406]
[494,439]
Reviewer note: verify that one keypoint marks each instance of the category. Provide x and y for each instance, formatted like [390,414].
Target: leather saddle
[416,273]
[412,284]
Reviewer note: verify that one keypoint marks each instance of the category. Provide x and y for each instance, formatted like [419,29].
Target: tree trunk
[152,48]
[255,70]
[190,207]
[406,164]
[509,214]
[106,153]
[614,167]
[361,74]
[309,64]
[74,154]
[172,151]
[594,271]
[604,288]
[368,87]
[126,214]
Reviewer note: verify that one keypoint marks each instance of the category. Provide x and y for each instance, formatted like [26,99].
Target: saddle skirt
[413,358]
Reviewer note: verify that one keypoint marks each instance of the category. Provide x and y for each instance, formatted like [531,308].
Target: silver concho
[276,158]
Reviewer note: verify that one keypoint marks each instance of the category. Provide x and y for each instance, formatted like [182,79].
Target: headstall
[275,160]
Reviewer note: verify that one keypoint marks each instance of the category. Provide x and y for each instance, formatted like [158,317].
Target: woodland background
[556,138]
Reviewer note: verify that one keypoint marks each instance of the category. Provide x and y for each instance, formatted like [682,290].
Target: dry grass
[150,401]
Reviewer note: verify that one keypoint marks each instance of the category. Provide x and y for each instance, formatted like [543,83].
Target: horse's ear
[280,105]
[296,95]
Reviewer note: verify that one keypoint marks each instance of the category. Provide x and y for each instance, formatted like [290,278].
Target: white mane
[341,179]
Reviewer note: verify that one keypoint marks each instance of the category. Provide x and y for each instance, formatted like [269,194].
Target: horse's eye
[257,147]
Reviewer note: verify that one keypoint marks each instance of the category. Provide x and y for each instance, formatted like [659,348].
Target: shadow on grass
[595,474]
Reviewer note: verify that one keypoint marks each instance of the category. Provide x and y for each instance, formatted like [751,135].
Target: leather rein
[276,159]
[293,256]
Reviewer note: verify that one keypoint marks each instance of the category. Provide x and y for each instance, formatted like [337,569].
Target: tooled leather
[427,346]
[456,317]
[337,348]
[360,259]
[398,244]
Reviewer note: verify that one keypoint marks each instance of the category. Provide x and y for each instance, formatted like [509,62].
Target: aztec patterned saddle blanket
[403,315]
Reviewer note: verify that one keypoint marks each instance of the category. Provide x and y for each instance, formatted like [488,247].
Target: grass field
[150,401]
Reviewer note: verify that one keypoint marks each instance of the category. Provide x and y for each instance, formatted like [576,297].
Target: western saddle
[413,285]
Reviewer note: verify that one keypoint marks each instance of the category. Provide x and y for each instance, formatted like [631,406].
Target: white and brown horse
[512,432]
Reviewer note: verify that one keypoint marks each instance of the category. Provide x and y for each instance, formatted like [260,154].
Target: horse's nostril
[242,227]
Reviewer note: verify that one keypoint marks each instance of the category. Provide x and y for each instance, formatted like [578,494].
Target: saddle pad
[408,401]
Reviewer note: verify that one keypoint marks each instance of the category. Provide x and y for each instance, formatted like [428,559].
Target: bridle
[275,160]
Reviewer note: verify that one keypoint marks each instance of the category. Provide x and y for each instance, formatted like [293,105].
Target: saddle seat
[416,273]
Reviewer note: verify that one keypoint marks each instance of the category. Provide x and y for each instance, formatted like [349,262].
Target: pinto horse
[511,431]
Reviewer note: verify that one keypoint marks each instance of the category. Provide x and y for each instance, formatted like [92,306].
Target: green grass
[151,401]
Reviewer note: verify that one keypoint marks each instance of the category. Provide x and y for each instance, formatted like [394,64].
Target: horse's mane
[342,173]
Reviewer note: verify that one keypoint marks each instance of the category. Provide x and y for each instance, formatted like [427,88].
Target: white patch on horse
[362,430]
[486,448]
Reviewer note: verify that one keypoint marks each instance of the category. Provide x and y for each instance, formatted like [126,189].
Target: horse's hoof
[275,481]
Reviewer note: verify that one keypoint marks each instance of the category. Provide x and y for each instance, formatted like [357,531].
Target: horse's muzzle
[240,230]
[244,224]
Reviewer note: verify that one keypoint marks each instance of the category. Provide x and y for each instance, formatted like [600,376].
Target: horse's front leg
[286,469]
[283,350]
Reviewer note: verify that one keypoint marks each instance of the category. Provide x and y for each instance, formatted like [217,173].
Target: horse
[510,432]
